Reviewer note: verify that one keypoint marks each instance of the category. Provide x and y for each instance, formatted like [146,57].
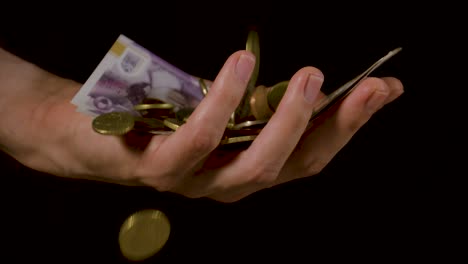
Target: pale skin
[41,129]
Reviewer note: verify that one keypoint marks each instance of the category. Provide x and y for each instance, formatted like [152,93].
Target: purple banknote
[128,74]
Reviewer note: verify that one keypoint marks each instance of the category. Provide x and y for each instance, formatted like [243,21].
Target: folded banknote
[128,74]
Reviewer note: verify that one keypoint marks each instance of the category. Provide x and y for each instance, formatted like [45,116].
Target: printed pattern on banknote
[128,74]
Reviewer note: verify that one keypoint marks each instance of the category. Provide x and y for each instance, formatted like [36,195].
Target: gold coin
[229,133]
[203,86]
[253,45]
[160,132]
[143,234]
[184,113]
[152,123]
[233,140]
[276,93]
[172,123]
[248,123]
[140,107]
[259,103]
[114,123]
[243,109]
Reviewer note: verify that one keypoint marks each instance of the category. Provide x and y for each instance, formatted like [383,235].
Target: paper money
[128,74]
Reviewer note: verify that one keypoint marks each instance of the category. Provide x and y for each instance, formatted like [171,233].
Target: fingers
[371,95]
[320,146]
[395,86]
[261,163]
[202,132]
[279,137]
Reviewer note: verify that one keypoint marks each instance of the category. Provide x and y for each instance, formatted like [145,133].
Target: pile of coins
[257,106]
[159,119]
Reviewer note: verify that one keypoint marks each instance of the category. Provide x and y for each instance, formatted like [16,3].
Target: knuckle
[354,125]
[162,182]
[165,185]
[374,82]
[264,174]
[315,166]
[203,142]
[230,196]
[122,174]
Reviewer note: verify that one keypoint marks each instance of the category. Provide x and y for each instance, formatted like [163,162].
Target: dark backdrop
[370,203]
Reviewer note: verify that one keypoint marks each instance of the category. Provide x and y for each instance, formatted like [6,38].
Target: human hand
[188,161]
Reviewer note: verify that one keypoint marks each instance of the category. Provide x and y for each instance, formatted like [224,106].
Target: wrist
[33,103]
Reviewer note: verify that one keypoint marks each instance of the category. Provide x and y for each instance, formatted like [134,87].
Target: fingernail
[244,67]
[376,100]
[312,87]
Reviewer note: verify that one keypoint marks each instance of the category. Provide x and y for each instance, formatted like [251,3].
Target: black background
[374,201]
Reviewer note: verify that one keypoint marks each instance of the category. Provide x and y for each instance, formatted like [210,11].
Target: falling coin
[143,234]
[114,123]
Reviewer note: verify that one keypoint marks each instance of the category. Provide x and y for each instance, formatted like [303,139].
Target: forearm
[29,96]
